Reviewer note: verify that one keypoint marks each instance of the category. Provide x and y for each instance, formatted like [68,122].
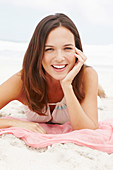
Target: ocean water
[98,56]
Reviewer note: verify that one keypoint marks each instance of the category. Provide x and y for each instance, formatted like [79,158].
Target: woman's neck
[54,91]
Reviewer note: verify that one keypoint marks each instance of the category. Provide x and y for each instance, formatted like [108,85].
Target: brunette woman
[54,84]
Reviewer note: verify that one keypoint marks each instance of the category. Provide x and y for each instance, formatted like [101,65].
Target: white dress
[59,114]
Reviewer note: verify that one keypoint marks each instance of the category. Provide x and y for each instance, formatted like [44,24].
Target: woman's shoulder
[18,85]
[90,78]
[90,73]
[11,89]
[15,81]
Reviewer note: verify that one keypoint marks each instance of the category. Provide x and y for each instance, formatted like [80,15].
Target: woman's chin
[56,77]
[59,78]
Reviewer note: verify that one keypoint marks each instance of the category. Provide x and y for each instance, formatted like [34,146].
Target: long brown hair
[34,79]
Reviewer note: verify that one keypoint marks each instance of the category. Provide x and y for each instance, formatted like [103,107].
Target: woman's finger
[77,50]
[80,59]
[81,54]
[40,128]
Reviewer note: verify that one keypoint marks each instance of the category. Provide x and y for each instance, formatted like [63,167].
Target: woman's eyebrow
[68,45]
[49,46]
[64,45]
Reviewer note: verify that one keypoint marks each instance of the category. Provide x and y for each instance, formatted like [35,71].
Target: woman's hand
[34,127]
[71,75]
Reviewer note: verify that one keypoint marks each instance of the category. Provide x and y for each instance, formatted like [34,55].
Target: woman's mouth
[59,68]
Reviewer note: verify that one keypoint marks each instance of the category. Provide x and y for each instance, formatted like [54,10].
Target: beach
[16,155]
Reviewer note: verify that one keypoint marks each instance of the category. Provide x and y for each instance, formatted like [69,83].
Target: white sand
[16,155]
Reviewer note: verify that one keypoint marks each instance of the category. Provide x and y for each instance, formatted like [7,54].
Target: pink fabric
[100,139]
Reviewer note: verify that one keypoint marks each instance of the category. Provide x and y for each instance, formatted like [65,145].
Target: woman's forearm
[78,118]
[6,123]
[32,126]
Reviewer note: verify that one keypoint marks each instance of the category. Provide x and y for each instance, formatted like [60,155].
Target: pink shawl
[100,139]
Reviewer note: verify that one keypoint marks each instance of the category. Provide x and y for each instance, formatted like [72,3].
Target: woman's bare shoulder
[11,89]
[14,81]
[90,79]
[90,73]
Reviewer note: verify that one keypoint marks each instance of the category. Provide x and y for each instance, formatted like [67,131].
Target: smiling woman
[54,84]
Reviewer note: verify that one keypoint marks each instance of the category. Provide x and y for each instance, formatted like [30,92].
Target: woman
[54,84]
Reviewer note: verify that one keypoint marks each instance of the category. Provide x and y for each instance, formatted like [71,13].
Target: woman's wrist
[66,87]
[6,123]
[12,122]
[65,84]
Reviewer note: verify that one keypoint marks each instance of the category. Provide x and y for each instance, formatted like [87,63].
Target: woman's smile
[59,68]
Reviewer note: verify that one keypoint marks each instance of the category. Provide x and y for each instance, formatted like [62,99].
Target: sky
[93,18]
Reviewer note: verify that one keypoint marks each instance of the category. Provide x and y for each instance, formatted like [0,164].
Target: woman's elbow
[94,126]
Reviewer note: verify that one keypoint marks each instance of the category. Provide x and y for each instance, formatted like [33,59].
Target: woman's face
[59,52]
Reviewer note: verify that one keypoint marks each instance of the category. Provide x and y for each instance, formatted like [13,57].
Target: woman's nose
[59,55]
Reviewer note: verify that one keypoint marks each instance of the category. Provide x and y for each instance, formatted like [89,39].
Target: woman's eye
[68,48]
[48,49]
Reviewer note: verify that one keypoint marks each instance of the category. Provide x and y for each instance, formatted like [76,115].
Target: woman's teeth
[59,67]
